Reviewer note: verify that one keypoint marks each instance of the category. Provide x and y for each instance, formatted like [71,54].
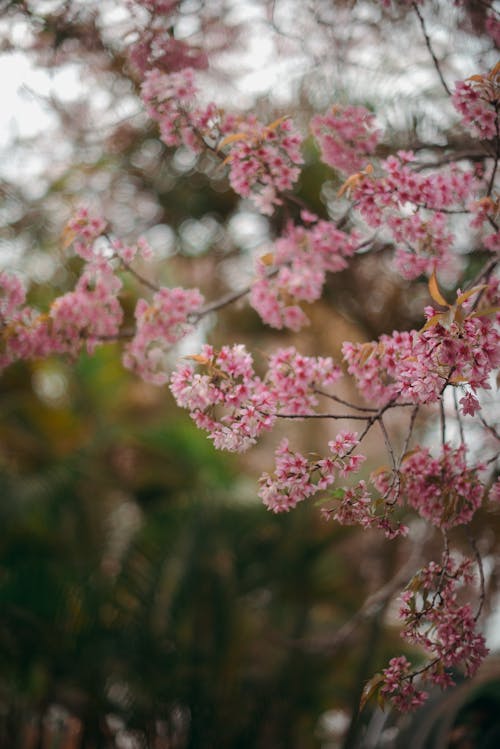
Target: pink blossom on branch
[228,400]
[477,100]
[398,685]
[264,161]
[346,136]
[296,478]
[12,296]
[446,629]
[443,490]
[159,326]
[82,230]
[87,315]
[413,206]
[234,405]
[91,312]
[293,378]
[301,259]
[460,345]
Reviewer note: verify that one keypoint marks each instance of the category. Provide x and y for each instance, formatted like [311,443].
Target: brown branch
[479,562]
[144,281]
[459,419]
[344,402]
[408,436]
[372,605]
[356,417]
[490,428]
[228,298]
[431,51]
[497,154]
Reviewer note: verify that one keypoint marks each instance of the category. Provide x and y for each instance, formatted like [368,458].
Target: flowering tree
[436,213]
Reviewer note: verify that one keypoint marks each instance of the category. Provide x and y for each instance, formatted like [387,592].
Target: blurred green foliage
[142,583]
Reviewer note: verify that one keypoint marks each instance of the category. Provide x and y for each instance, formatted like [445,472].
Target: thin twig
[388,444]
[459,419]
[356,417]
[144,281]
[370,607]
[443,421]
[431,51]
[497,154]
[408,436]
[490,428]
[344,402]
[483,274]
[479,562]
[232,296]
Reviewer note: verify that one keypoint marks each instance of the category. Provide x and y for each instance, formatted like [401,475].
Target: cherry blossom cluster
[477,100]
[443,490]
[234,405]
[82,230]
[12,295]
[87,315]
[446,629]
[397,683]
[228,400]
[296,478]
[412,205]
[16,323]
[346,136]
[91,312]
[293,379]
[355,505]
[455,346]
[169,100]
[295,272]
[155,46]
[486,212]
[264,161]
[159,325]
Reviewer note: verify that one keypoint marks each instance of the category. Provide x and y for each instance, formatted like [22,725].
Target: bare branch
[431,50]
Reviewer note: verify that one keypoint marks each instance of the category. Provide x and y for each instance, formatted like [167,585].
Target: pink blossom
[293,379]
[229,401]
[82,230]
[476,99]
[399,687]
[470,404]
[169,99]
[159,325]
[302,257]
[417,365]
[91,312]
[291,483]
[444,490]
[12,295]
[422,235]
[494,492]
[264,161]
[436,621]
[346,136]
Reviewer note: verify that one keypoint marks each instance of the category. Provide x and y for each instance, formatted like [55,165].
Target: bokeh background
[147,599]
